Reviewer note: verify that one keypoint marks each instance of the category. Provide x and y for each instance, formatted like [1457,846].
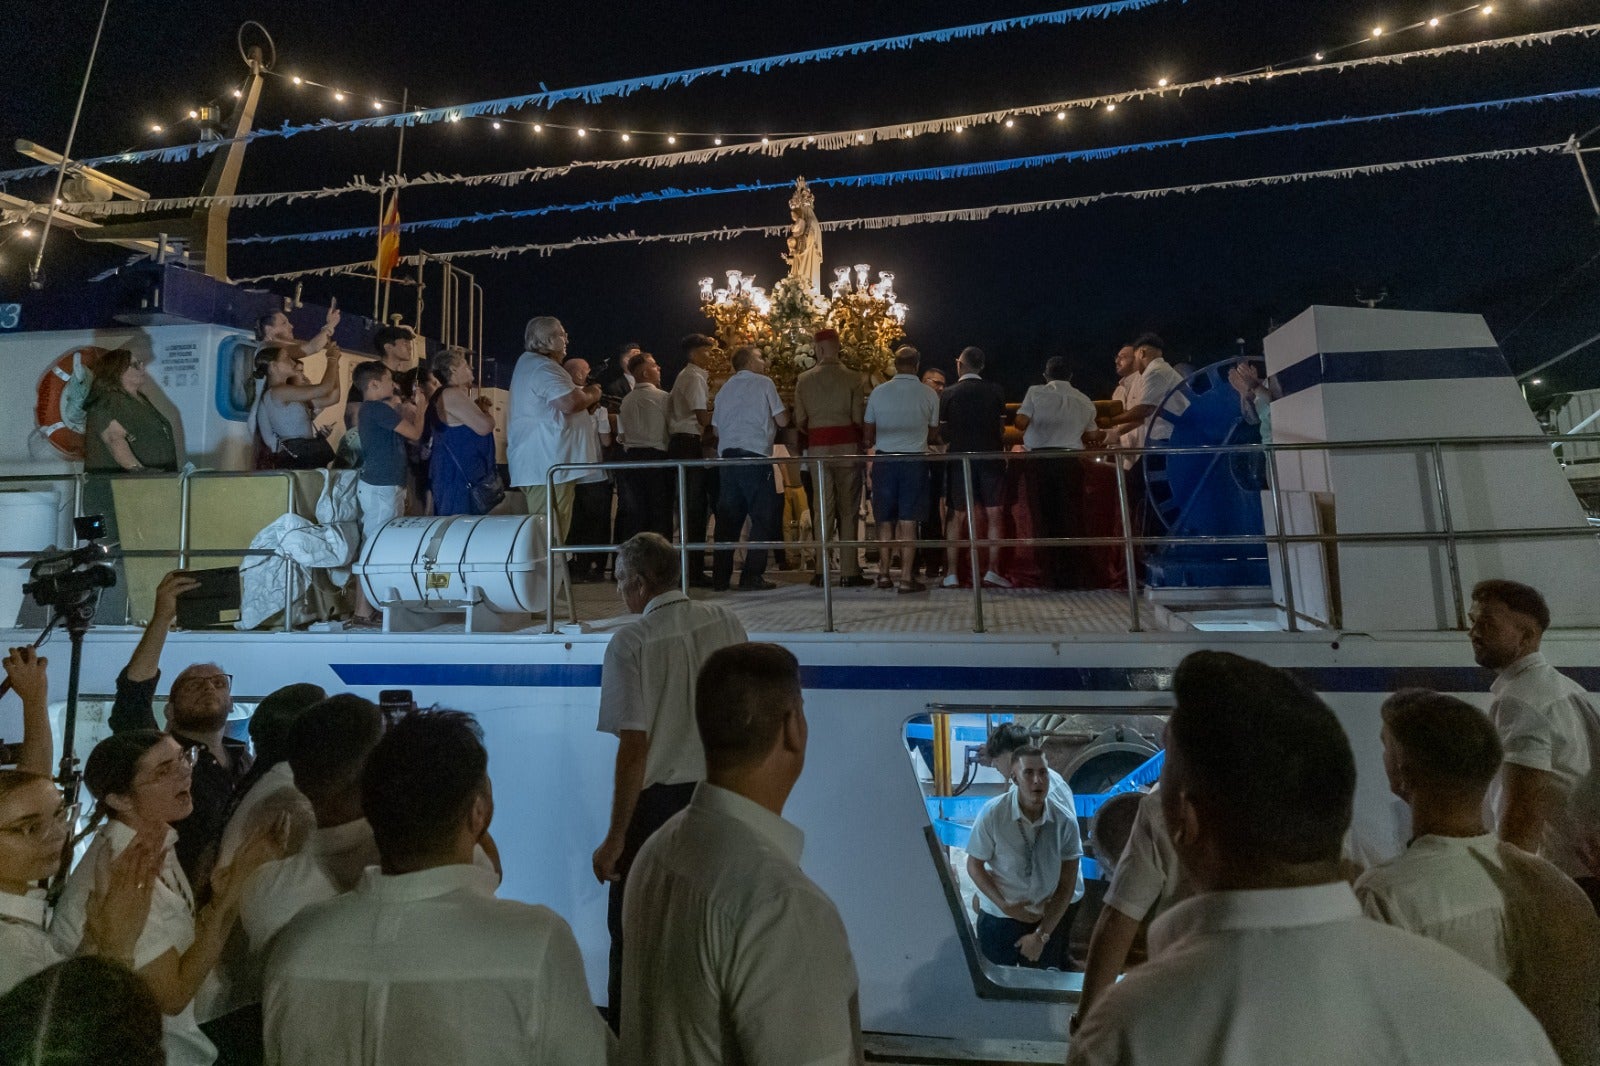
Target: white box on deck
[1354,374]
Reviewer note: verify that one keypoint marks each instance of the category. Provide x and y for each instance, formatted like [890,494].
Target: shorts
[900,491]
[565,493]
[379,503]
[988,483]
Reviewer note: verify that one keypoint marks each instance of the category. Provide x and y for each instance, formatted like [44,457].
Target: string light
[194,114]
[1010,122]
[671,139]
[155,127]
[582,132]
[1111,107]
[1433,23]
[496,125]
[1162,83]
[1488,9]
[1061,116]
[1377,31]
[537,128]
[717,141]
[297,80]
[28,232]
[1319,57]
[237,94]
[377,105]
[339,97]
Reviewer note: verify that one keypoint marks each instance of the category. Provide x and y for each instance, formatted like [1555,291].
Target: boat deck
[795,607]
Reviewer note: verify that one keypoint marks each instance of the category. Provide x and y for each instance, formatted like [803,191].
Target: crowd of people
[328,893]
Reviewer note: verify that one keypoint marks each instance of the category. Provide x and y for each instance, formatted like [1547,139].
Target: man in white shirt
[1055,417]
[902,418]
[647,693]
[747,416]
[734,955]
[647,497]
[549,423]
[1273,961]
[1156,381]
[1000,751]
[592,491]
[689,424]
[1023,855]
[1512,913]
[1549,794]
[420,964]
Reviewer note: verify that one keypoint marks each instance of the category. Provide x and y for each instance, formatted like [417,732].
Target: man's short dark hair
[273,721]
[1150,340]
[366,373]
[742,699]
[1515,596]
[1447,743]
[384,336]
[1027,751]
[1263,757]
[1006,739]
[420,781]
[907,359]
[623,350]
[696,340]
[329,744]
[83,1010]
[743,355]
[264,323]
[974,358]
[636,362]
[1058,368]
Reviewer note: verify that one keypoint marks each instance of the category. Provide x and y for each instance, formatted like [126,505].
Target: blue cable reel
[1205,495]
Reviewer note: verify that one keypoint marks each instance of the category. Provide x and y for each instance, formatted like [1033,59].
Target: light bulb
[377,105]
[155,127]
[194,114]
[1111,107]
[26,233]
[237,94]
[1319,58]
[861,138]
[582,132]
[496,125]
[960,128]
[861,274]
[1535,381]
[297,81]
[1433,22]
[1061,116]
[1488,9]
[716,140]
[1163,83]
[538,127]
[1010,122]
[705,288]
[339,97]
[1216,81]
[765,140]
[1377,31]
[671,139]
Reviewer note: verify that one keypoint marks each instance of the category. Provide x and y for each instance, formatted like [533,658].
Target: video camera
[71,580]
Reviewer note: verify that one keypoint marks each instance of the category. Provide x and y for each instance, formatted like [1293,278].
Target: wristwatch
[1044,937]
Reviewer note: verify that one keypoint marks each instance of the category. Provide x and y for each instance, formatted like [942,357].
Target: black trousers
[591,523]
[649,497]
[701,485]
[1060,484]
[656,804]
[746,492]
[997,939]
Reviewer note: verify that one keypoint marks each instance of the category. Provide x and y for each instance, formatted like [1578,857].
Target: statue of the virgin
[805,239]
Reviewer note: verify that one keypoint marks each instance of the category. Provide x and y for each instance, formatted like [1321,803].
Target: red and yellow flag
[389,238]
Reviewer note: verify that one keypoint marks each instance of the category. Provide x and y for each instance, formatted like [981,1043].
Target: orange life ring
[55,423]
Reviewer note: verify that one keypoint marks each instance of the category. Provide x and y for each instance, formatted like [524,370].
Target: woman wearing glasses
[141,780]
[34,823]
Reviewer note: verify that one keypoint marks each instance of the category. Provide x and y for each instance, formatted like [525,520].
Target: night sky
[1509,240]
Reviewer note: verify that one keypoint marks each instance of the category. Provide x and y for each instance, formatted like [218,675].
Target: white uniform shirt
[1059,416]
[1547,722]
[1148,878]
[170,927]
[330,864]
[1514,914]
[1061,792]
[427,968]
[1156,381]
[642,420]
[538,434]
[1024,857]
[902,410]
[691,392]
[272,794]
[1300,976]
[734,956]
[648,681]
[25,948]
[746,405]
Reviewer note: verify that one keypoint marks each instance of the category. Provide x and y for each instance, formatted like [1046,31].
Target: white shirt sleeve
[23,953]
[1141,873]
[1027,408]
[550,383]
[931,398]
[696,393]
[1526,734]
[1071,837]
[572,1032]
[870,416]
[980,844]
[774,401]
[622,703]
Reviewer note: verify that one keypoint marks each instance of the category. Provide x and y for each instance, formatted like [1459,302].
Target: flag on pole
[389,238]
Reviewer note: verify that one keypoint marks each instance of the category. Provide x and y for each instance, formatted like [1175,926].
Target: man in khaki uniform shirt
[829,402]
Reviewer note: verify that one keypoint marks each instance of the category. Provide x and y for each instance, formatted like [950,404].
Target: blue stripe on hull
[935,678]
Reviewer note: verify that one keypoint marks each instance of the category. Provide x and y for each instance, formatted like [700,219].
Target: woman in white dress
[141,781]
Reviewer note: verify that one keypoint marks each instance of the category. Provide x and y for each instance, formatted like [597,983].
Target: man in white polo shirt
[1055,417]
[1549,794]
[648,496]
[549,423]
[902,417]
[747,416]
[647,694]
[1023,855]
[734,955]
[1512,913]
[420,964]
[689,422]
[1273,961]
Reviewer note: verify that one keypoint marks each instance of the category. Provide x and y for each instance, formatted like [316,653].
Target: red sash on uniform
[824,436]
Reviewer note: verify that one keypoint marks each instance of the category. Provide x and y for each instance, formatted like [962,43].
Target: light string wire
[920,174]
[594,93]
[832,141]
[966,214]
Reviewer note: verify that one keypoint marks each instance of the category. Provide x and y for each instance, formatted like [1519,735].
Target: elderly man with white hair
[549,424]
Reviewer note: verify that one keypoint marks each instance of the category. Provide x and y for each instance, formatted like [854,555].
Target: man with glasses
[647,692]
[197,711]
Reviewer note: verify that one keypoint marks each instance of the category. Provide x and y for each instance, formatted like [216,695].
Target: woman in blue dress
[463,435]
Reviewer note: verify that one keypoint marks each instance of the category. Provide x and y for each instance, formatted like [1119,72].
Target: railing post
[549,560]
[683,528]
[288,571]
[1450,535]
[822,545]
[972,547]
[1128,561]
[183,521]
[1282,545]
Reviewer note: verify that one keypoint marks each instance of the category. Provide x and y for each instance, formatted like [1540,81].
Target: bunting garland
[967,214]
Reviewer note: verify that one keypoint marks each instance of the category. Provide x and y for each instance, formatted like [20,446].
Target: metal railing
[183,552]
[1277,540]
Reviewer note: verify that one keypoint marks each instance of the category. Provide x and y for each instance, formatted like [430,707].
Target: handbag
[485,492]
[304,453]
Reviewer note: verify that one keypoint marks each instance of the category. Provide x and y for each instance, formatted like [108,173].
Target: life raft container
[58,410]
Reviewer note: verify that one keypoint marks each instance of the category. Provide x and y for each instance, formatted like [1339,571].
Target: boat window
[1106,756]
